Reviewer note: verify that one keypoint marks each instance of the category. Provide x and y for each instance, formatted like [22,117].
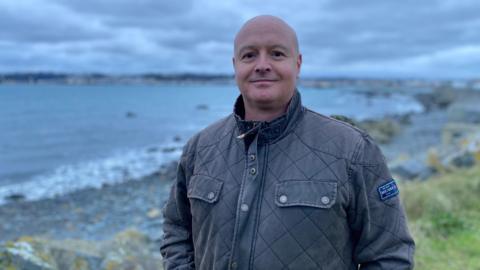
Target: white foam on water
[359,106]
[122,166]
[395,104]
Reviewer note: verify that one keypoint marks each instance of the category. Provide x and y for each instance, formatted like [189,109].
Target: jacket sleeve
[376,216]
[177,246]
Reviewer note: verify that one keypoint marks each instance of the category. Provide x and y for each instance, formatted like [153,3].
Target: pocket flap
[204,188]
[311,193]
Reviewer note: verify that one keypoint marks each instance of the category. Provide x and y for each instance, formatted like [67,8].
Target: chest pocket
[311,193]
[204,188]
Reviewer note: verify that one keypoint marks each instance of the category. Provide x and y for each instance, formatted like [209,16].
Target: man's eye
[277,54]
[248,56]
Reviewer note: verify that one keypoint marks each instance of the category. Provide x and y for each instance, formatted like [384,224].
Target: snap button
[253,171]
[244,207]
[325,200]
[282,199]
[211,195]
[234,265]
[252,157]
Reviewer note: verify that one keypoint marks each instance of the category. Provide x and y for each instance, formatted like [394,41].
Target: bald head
[263,25]
[267,62]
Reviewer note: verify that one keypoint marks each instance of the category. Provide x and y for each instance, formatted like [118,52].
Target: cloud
[33,22]
[361,36]
[429,38]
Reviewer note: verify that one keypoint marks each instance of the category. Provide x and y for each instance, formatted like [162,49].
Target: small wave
[122,166]
[396,104]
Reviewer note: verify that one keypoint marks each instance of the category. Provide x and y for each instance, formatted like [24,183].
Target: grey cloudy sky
[375,38]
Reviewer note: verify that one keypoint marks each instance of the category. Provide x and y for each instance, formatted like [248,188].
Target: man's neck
[255,114]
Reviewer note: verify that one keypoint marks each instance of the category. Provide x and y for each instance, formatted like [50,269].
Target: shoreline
[98,214]
[92,214]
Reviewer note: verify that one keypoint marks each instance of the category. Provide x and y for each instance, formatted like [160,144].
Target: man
[277,186]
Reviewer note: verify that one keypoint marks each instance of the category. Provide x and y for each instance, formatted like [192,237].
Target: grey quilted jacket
[301,192]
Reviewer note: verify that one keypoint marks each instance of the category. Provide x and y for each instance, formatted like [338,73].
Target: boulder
[202,107]
[453,132]
[465,112]
[383,130]
[131,250]
[130,114]
[465,159]
[169,149]
[128,250]
[460,148]
[411,169]
[344,118]
[15,197]
[169,170]
[439,98]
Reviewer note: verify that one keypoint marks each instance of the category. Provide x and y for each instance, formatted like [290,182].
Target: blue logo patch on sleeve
[388,190]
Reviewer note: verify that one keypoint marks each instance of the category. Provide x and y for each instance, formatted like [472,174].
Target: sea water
[60,138]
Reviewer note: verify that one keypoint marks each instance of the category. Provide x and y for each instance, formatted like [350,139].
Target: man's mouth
[263,81]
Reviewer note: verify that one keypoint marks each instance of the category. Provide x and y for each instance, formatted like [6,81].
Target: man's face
[266,63]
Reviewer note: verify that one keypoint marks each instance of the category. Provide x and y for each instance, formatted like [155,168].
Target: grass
[444,218]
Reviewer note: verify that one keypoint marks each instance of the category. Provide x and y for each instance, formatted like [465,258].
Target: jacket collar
[272,130]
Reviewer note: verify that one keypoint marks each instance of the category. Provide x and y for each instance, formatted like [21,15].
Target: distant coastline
[100,78]
[198,79]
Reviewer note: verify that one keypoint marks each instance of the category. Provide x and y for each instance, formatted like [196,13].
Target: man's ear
[299,63]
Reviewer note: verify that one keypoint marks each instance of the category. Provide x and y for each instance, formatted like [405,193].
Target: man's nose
[263,64]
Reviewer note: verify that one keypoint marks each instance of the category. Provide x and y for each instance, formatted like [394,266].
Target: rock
[202,107]
[455,133]
[404,119]
[105,185]
[128,250]
[169,171]
[15,197]
[21,255]
[382,131]
[31,254]
[459,149]
[152,149]
[411,169]
[130,114]
[436,161]
[345,119]
[375,93]
[465,112]
[169,149]
[153,213]
[439,98]
[467,159]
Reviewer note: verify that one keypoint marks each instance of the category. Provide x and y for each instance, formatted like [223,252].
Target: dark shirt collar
[269,131]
